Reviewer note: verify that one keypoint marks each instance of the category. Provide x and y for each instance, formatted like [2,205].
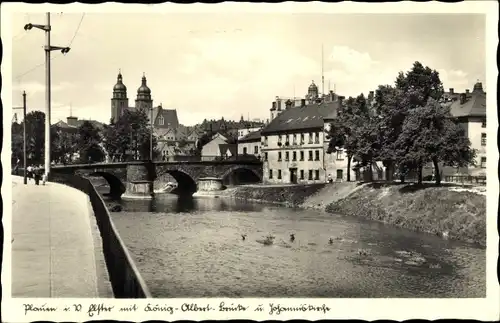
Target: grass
[428,208]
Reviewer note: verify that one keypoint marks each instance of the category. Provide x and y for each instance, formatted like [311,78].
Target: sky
[231,65]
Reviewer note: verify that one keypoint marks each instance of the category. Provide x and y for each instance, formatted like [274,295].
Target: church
[164,120]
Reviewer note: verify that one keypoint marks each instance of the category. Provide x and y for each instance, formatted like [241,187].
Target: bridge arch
[185,182]
[241,175]
[116,186]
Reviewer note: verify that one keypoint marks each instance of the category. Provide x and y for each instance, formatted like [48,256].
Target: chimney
[274,106]
[302,103]
[452,91]
[467,91]
[72,121]
[462,98]
[288,104]
[279,105]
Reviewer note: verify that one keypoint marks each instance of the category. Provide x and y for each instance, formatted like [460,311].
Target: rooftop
[252,136]
[301,118]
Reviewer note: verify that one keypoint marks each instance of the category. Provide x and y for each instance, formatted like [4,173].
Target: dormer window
[161,121]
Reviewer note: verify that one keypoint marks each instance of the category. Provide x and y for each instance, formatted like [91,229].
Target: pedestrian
[330,179]
[36,174]
[29,172]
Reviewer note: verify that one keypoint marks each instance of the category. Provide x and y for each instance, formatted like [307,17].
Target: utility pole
[322,73]
[48,48]
[151,137]
[24,137]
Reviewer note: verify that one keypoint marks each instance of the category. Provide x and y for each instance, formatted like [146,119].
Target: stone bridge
[138,179]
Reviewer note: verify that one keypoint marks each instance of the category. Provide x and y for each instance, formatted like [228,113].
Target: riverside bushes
[437,210]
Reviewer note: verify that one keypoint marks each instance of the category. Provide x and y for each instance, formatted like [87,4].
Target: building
[250,144]
[469,109]
[120,101]
[293,144]
[211,150]
[280,104]
[72,124]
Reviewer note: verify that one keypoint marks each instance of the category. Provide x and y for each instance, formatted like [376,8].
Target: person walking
[29,171]
[36,174]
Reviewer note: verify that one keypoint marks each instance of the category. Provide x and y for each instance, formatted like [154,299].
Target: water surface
[192,247]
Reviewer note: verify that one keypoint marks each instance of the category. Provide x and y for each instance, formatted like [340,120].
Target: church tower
[119,102]
[144,101]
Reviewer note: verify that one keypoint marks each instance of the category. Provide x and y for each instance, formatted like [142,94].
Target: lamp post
[25,180]
[48,48]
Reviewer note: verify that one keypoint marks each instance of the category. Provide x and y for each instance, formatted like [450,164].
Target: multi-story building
[119,101]
[250,144]
[469,109]
[293,144]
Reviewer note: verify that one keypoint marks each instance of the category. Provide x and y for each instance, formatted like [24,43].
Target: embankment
[460,215]
[444,210]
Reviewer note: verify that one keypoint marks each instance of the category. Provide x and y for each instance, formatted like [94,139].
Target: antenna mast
[322,73]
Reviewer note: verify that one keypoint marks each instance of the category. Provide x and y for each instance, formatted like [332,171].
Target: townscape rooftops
[475,105]
[252,136]
[300,118]
[169,116]
[233,149]
[65,125]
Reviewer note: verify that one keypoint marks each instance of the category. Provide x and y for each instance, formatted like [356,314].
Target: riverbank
[453,213]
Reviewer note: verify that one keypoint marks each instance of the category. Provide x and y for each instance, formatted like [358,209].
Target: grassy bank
[435,210]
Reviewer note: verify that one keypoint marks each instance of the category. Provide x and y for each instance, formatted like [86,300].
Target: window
[340,174]
[270,174]
[301,155]
[310,155]
[161,120]
[316,175]
[279,155]
[302,139]
[279,139]
[287,142]
[340,155]
[310,174]
[265,141]
[483,162]
[294,156]
[301,174]
[316,138]
[310,137]
[483,125]
[287,156]
[483,139]
[256,150]
[265,156]
[244,150]
[316,155]
[294,139]
[279,173]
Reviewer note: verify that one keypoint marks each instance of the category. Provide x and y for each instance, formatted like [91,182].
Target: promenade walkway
[56,246]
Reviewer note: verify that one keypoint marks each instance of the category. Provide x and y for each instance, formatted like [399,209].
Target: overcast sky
[209,65]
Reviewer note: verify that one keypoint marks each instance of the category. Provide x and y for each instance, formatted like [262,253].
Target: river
[193,247]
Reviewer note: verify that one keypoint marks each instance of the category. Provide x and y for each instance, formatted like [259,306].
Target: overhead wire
[55,56]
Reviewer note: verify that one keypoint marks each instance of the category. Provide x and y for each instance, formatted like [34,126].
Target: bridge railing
[126,279]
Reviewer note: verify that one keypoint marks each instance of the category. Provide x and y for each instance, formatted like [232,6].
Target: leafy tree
[65,145]
[430,135]
[17,142]
[89,139]
[35,136]
[131,132]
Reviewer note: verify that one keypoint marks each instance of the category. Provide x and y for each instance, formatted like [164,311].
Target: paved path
[55,249]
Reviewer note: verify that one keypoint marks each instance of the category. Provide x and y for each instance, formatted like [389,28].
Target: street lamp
[48,48]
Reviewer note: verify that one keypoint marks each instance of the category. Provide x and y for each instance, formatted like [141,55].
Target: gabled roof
[233,149]
[252,136]
[475,105]
[169,116]
[299,118]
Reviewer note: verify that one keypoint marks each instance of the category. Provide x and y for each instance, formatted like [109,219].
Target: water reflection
[193,247]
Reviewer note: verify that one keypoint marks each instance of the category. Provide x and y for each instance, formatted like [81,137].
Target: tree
[64,145]
[89,140]
[35,136]
[412,91]
[131,132]
[431,135]
[17,142]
